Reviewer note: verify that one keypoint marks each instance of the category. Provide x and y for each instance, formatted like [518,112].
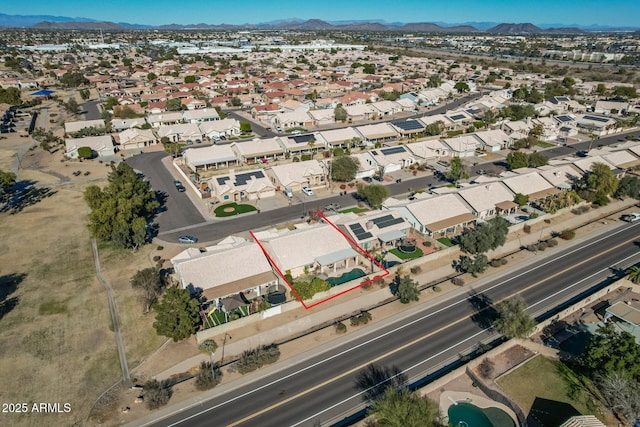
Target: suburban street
[180,214]
[419,341]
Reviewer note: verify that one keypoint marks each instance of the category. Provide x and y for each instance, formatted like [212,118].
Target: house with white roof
[373,229]
[100,145]
[379,132]
[386,108]
[391,159]
[493,140]
[436,216]
[368,166]
[597,125]
[294,176]
[73,127]
[489,199]
[118,125]
[134,138]
[297,145]
[585,164]
[211,157]
[200,115]
[428,150]
[217,129]
[463,145]
[164,119]
[233,266]
[242,185]
[561,176]
[258,150]
[182,132]
[342,137]
[294,119]
[530,184]
[317,248]
[323,117]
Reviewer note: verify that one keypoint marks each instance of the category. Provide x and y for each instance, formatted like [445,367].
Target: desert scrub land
[55,339]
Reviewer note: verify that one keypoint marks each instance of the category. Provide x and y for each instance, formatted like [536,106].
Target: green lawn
[544,389]
[446,241]
[220,211]
[544,144]
[417,254]
[354,210]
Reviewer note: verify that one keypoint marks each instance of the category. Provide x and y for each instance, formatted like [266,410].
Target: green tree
[149,282]
[85,153]
[455,170]
[208,346]
[601,89]
[633,274]
[621,392]
[610,351]
[434,129]
[151,76]
[236,102]
[73,79]
[307,289]
[174,104]
[407,290]
[344,168]
[374,380]
[434,81]
[208,376]
[629,186]
[461,87]
[7,180]
[177,314]
[245,127]
[190,79]
[375,194]
[537,159]
[405,408]
[517,160]
[339,113]
[521,199]
[486,236]
[472,265]
[110,102]
[512,320]
[10,96]
[600,180]
[72,106]
[625,91]
[84,94]
[120,211]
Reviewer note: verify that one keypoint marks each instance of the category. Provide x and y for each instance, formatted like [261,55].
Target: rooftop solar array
[393,150]
[222,180]
[564,118]
[408,124]
[302,139]
[458,117]
[473,111]
[359,232]
[387,221]
[562,98]
[597,119]
[242,178]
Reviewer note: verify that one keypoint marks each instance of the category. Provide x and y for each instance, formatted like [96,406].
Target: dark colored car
[367,179]
[179,186]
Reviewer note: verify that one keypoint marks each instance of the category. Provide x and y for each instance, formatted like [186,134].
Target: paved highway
[418,341]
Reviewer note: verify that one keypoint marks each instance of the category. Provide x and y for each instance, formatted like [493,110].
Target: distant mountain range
[67,23]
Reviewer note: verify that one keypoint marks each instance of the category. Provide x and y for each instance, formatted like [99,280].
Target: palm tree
[633,274]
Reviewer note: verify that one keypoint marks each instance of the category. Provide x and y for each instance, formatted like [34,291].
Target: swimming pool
[464,414]
[346,277]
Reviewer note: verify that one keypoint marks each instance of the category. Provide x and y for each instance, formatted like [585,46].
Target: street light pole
[213,371]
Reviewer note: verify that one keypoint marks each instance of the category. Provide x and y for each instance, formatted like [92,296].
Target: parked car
[632,217]
[367,179]
[378,178]
[179,185]
[187,239]
[307,191]
[278,128]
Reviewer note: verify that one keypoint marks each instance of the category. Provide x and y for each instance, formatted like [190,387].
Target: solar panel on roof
[564,118]
[408,124]
[393,150]
[376,221]
[473,111]
[596,119]
[458,117]
[391,222]
[302,139]
[359,232]
[242,178]
[562,98]
[222,180]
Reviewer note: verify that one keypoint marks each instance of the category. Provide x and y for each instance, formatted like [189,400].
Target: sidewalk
[296,322]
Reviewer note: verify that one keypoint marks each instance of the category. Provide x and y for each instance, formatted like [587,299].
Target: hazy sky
[583,12]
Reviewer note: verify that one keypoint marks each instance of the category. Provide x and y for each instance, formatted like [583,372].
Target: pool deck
[449,398]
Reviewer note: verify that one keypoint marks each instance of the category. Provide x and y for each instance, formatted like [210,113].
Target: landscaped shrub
[361,319]
[503,261]
[341,328]
[156,394]
[354,321]
[567,234]
[306,157]
[486,367]
[157,258]
[526,228]
[495,263]
[533,215]
[531,248]
[436,288]
[416,270]
[256,358]
[542,246]
[208,376]
[458,281]
[427,243]
[159,248]
[552,243]
[85,153]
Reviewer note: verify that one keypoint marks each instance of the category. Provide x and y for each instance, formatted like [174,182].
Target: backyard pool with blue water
[356,273]
[465,414]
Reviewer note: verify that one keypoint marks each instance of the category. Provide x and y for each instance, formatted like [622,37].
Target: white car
[307,191]
[632,217]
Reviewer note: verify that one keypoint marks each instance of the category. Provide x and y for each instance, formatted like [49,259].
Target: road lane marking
[401,327]
[419,339]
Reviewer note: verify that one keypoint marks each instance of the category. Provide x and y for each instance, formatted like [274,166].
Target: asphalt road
[91,110]
[322,388]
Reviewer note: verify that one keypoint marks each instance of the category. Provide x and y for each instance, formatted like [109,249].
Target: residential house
[391,159]
[219,129]
[101,146]
[231,267]
[531,184]
[297,145]
[294,119]
[562,175]
[428,150]
[73,127]
[596,125]
[463,145]
[165,119]
[377,133]
[368,166]
[211,157]
[291,250]
[322,117]
[242,185]
[183,132]
[118,125]
[134,138]
[342,137]
[489,199]
[296,175]
[408,128]
[436,216]
[611,107]
[200,115]
[258,150]
[493,140]
[374,229]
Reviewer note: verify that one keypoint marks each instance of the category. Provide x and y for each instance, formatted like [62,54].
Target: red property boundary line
[365,253]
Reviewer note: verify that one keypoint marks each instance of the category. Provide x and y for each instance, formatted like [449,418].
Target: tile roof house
[379,132]
[391,159]
[488,200]
[200,115]
[462,146]
[373,229]
[135,138]
[211,157]
[164,119]
[291,249]
[217,128]
[101,145]
[242,185]
[310,173]
[258,150]
[340,137]
[493,140]
[428,150]
[226,269]
[72,127]
[187,132]
[530,184]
